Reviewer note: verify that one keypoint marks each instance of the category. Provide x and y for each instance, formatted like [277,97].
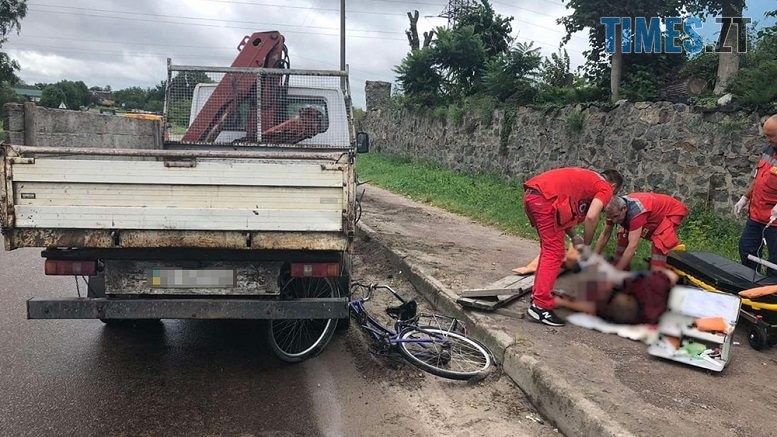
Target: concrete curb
[556,399]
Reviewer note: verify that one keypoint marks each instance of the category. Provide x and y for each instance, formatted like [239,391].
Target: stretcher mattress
[722,273]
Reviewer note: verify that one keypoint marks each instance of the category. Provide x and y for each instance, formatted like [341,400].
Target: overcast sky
[125,43]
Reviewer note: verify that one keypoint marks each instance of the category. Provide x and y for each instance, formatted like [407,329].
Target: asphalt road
[80,377]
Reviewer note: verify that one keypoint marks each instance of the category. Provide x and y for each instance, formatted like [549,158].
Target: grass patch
[485,198]
[496,202]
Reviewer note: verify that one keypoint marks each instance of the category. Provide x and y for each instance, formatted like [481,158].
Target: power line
[58,38]
[181,17]
[350,11]
[232,21]
[57,49]
[203,24]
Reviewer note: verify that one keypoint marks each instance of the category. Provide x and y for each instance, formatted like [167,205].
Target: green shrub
[455,113]
[757,85]
[641,86]
[575,122]
[440,112]
[483,108]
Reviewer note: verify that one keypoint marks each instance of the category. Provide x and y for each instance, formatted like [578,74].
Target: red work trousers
[542,216]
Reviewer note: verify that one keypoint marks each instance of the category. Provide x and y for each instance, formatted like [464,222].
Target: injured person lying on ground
[614,295]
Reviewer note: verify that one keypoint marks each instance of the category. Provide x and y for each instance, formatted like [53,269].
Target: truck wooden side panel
[218,195]
[233,203]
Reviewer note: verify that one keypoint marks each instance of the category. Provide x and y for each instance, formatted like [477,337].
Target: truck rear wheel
[295,340]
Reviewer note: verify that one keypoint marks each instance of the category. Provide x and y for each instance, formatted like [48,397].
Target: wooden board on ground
[498,294]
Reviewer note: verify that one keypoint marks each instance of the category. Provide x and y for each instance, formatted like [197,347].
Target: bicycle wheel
[295,340]
[444,353]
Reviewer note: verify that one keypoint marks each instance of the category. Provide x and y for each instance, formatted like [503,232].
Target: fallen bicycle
[435,343]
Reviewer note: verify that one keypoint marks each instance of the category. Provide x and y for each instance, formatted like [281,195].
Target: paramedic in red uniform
[760,201]
[555,202]
[652,216]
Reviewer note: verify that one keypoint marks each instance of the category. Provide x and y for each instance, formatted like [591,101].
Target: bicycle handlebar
[372,287]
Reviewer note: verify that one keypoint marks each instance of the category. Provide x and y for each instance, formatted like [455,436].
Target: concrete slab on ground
[586,381]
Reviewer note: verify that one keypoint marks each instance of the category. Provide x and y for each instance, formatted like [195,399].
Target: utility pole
[342,35]
[453,9]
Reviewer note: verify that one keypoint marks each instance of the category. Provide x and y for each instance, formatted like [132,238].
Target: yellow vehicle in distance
[143,116]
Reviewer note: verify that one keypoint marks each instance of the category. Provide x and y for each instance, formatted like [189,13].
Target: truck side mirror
[362,142]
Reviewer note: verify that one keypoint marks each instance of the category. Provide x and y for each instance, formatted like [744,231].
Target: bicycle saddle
[406,311]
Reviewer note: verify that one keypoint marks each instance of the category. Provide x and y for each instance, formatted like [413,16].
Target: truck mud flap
[102,308]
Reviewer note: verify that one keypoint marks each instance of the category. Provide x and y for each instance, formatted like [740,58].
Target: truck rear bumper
[186,308]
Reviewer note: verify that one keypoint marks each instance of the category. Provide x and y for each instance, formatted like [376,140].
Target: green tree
[512,76]
[461,57]
[419,78]
[8,95]
[756,81]
[728,63]
[11,14]
[52,96]
[131,98]
[77,94]
[183,84]
[493,29]
[452,66]
[555,70]
[586,14]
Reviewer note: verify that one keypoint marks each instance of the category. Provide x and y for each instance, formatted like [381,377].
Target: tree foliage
[52,96]
[555,70]
[586,14]
[11,14]
[419,78]
[453,65]
[512,75]
[491,28]
[73,94]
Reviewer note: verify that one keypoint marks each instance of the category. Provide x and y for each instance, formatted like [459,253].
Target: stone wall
[377,94]
[700,157]
[37,126]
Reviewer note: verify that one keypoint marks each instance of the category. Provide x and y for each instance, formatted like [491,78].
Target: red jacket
[649,210]
[764,195]
[572,190]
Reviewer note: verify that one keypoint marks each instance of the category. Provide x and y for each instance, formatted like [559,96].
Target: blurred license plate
[201,278]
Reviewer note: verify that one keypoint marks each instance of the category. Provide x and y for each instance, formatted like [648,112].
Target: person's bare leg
[581,306]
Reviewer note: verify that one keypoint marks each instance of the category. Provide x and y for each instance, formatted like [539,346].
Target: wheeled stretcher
[714,272]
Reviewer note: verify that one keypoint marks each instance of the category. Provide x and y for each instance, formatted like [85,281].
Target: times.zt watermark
[671,34]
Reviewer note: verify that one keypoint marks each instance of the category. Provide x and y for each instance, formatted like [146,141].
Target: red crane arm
[263,50]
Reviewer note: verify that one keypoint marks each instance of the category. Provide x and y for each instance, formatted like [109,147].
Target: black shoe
[547,317]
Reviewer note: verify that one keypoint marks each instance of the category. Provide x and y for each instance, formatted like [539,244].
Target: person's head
[622,309]
[614,178]
[770,130]
[616,210]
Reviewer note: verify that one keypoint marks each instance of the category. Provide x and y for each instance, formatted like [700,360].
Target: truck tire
[295,340]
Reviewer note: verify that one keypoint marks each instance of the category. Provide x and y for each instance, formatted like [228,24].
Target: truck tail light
[315,270]
[71,268]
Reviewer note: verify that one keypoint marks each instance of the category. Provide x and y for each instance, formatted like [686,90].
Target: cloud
[122,43]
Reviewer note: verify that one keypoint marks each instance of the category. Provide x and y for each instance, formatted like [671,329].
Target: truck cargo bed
[175,199]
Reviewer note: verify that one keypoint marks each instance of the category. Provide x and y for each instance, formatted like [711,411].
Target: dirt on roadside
[647,395]
[493,406]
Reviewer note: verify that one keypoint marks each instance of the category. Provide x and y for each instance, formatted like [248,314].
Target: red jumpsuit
[659,216]
[555,201]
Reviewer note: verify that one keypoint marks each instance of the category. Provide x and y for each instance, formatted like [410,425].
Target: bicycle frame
[384,334]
